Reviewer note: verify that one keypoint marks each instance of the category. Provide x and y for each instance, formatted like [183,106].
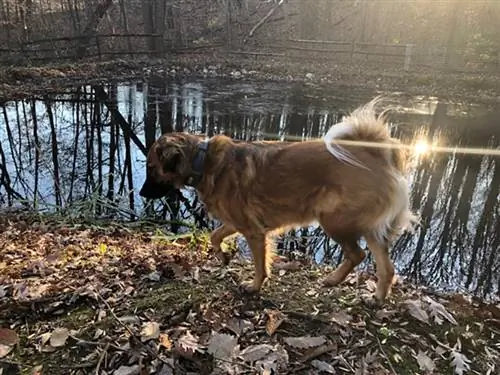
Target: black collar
[198,164]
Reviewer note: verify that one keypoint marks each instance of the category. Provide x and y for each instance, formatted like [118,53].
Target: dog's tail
[367,129]
[364,126]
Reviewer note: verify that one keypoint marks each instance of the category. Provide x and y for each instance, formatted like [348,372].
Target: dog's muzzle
[154,190]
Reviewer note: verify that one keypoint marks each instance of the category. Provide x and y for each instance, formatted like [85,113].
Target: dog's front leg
[262,258]
[216,239]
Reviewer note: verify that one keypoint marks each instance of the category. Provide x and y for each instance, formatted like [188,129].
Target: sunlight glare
[422,147]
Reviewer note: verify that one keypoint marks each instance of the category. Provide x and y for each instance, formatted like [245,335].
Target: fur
[259,187]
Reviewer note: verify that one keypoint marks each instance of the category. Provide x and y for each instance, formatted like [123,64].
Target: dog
[257,188]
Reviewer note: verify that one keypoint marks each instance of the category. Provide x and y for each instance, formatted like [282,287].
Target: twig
[263,20]
[241,363]
[306,316]
[96,343]
[105,350]
[127,328]
[386,356]
[77,366]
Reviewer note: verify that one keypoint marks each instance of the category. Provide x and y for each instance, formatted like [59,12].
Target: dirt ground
[18,82]
[115,298]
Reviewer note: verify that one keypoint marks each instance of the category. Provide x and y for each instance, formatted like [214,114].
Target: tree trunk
[55,153]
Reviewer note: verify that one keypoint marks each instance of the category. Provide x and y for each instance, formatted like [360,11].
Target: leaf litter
[122,299]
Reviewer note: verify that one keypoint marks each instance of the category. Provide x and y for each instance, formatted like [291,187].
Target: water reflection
[71,153]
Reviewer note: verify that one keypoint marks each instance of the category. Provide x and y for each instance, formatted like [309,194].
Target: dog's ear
[169,158]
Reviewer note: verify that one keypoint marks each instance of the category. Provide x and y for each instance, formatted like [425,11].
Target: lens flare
[422,147]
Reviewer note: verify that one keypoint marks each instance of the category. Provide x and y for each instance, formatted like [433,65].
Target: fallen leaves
[425,363]
[223,346]
[416,310]
[438,311]
[304,342]
[8,339]
[430,308]
[157,308]
[127,370]
[188,344]
[255,352]
[323,366]
[274,320]
[58,337]
[165,341]
[459,362]
[150,331]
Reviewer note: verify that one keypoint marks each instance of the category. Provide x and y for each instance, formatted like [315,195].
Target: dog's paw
[372,302]
[331,280]
[223,257]
[250,287]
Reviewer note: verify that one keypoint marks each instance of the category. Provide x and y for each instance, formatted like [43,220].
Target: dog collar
[198,164]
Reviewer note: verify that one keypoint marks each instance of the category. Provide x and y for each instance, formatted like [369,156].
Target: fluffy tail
[364,125]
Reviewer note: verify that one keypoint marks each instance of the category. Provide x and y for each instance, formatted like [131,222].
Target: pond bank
[130,299]
[17,82]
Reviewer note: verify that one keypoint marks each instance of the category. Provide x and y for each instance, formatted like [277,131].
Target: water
[67,153]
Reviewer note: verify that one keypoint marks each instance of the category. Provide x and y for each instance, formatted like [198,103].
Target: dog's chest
[229,210]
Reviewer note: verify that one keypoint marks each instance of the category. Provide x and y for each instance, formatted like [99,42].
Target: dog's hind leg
[216,239]
[385,268]
[353,255]
[262,253]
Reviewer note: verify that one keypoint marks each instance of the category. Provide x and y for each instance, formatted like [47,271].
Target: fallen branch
[102,95]
[263,20]
[384,354]
[105,350]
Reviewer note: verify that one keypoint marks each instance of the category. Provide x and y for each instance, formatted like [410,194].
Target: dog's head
[169,164]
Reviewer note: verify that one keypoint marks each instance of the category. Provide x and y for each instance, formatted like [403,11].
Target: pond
[68,153]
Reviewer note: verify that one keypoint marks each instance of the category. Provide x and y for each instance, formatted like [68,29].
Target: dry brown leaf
[188,344]
[459,361]
[341,318]
[5,349]
[255,352]
[323,366]
[165,341]
[274,320]
[223,346]
[150,330]
[58,337]
[127,370]
[274,360]
[425,362]
[438,311]
[415,309]
[239,326]
[304,342]
[44,338]
[8,337]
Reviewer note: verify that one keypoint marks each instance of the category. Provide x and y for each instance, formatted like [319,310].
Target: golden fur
[256,188]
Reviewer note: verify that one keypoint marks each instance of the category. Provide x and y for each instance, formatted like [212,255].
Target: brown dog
[259,187]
